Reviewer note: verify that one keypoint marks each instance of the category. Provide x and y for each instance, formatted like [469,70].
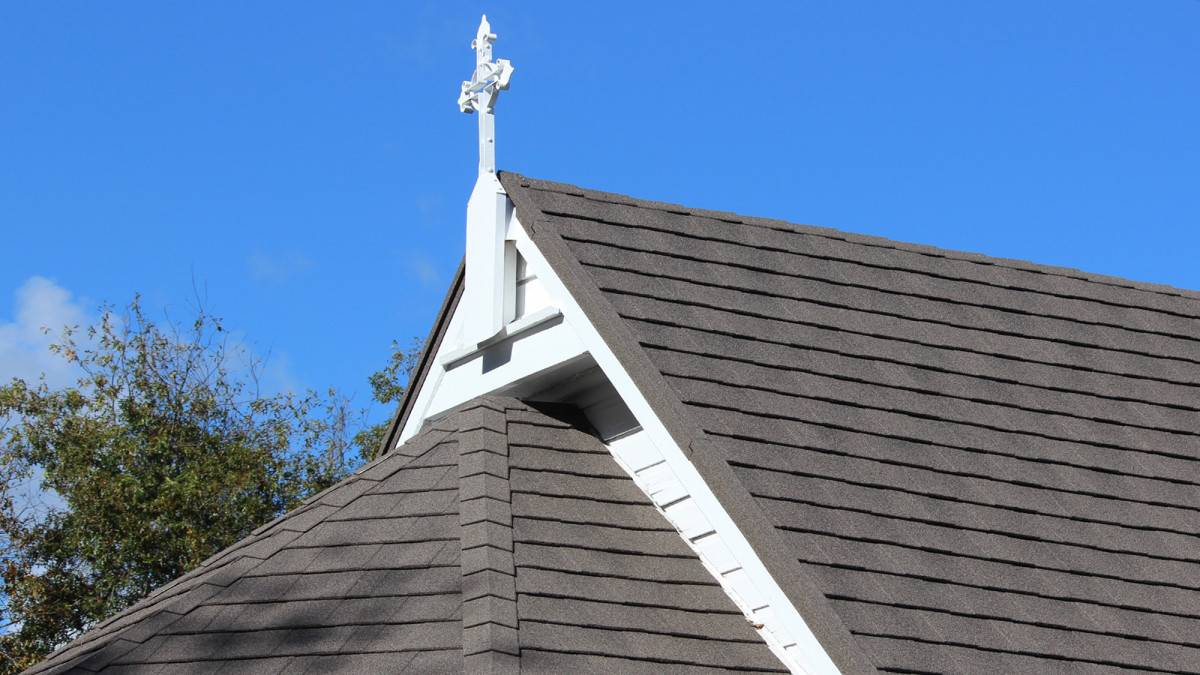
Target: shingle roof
[503,536]
[950,463]
[981,465]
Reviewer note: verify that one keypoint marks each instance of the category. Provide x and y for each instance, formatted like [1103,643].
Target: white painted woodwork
[517,331]
[713,549]
[518,358]
[490,292]
[723,551]
[561,356]
[483,301]
[529,295]
[480,92]
[675,479]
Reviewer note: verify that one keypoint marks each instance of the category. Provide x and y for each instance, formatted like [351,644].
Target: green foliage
[387,386]
[165,452]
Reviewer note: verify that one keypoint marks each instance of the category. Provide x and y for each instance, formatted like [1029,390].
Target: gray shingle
[539,661]
[414,569]
[1012,447]
[311,594]
[716,654]
[952,463]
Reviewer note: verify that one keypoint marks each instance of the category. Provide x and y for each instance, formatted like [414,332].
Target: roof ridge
[872,241]
[489,591]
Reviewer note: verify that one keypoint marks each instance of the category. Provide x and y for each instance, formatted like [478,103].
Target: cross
[479,94]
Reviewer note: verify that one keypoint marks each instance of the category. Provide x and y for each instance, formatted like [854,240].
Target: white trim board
[650,455]
[720,553]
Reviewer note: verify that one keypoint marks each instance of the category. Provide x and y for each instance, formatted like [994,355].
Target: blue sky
[305,166]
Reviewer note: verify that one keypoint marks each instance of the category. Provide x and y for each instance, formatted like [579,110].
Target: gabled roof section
[980,465]
[503,538]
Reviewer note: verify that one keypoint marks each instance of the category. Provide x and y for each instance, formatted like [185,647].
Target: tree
[165,452]
[387,386]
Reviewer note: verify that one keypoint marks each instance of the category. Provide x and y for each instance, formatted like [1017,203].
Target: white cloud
[24,347]
[277,268]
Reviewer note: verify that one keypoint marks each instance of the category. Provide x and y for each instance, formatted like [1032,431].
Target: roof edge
[425,362]
[111,638]
[795,582]
[602,314]
[801,589]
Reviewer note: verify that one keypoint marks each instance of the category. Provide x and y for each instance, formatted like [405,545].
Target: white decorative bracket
[480,92]
[489,210]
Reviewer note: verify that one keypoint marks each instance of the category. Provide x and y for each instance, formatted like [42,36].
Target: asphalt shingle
[418,563]
[983,465]
[959,463]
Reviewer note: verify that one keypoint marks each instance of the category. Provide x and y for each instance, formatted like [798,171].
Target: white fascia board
[678,490]
[651,457]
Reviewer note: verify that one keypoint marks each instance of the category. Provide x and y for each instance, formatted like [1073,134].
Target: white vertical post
[489,209]
[487,216]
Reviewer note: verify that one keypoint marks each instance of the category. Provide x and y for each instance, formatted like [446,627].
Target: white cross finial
[479,94]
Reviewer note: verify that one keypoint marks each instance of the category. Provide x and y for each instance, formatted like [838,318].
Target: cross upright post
[480,92]
[490,262]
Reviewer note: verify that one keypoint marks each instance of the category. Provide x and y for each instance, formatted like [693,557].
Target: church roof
[981,465]
[502,538]
[948,462]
